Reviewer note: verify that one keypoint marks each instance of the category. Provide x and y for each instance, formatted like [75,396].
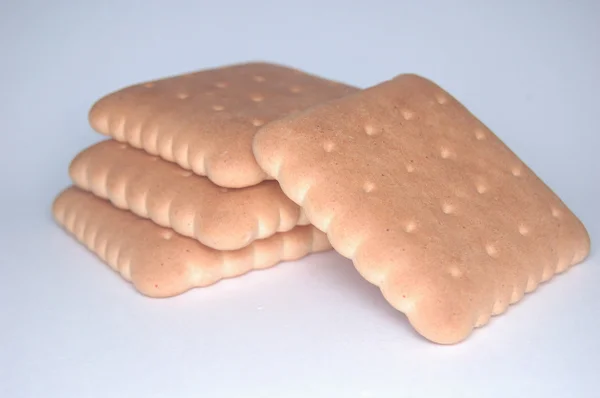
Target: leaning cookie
[429,204]
[161,263]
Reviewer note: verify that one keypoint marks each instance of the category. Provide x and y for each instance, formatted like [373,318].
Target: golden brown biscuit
[162,263]
[204,121]
[428,203]
[172,197]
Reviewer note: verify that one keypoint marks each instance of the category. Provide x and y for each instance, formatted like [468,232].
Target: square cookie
[205,121]
[158,261]
[430,205]
[172,197]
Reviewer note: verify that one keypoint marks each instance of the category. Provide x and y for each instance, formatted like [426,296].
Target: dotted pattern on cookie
[205,121]
[488,229]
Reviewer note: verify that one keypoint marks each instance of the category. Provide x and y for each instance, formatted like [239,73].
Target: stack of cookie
[174,199]
[429,204]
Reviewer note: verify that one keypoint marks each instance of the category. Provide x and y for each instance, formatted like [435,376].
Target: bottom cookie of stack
[162,263]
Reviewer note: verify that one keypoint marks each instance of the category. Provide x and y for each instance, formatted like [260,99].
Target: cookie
[430,205]
[205,121]
[158,261]
[172,197]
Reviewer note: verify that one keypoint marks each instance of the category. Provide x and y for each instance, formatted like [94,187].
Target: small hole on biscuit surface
[447,208]
[407,115]
[491,250]
[167,235]
[441,99]
[221,84]
[370,130]
[480,135]
[523,230]
[257,122]
[410,226]
[295,89]
[368,186]
[257,98]
[258,78]
[218,107]
[446,153]
[328,146]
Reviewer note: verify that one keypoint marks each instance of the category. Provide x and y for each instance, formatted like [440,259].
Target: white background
[70,327]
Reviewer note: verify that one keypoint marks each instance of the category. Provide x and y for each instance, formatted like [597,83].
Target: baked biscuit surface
[429,204]
[204,121]
[158,261]
[172,197]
